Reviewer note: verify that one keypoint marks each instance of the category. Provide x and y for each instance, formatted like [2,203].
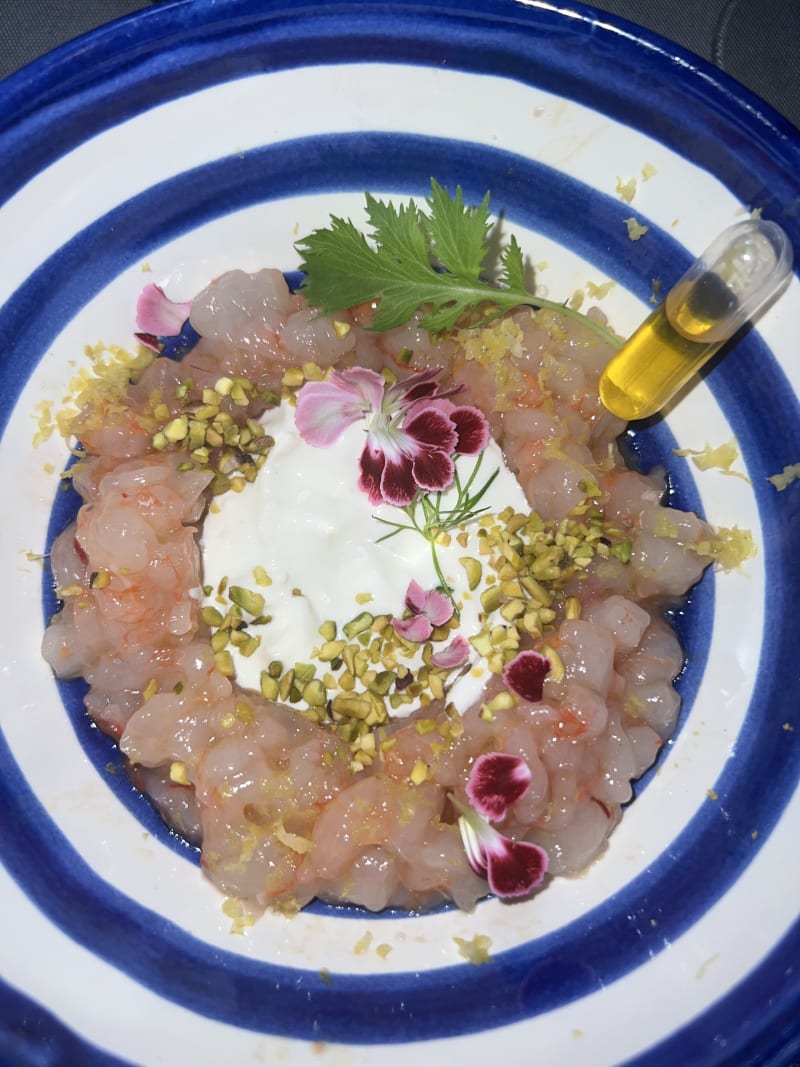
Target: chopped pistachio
[269,686]
[100,580]
[474,571]
[261,577]
[358,625]
[247,599]
[211,616]
[224,663]
[419,772]
[177,773]
[293,377]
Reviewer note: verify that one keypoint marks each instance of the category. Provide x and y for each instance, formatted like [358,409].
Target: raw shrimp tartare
[374,617]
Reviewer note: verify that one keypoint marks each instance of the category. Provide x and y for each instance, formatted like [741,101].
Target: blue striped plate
[202,135]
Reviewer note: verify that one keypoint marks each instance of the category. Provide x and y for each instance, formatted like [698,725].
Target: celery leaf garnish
[412,259]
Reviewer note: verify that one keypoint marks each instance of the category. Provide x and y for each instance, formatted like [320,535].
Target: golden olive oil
[670,346]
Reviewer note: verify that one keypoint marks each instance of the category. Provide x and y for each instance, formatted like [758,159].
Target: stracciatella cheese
[305,528]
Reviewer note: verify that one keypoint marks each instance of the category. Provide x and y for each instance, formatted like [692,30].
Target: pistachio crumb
[177,773]
[419,772]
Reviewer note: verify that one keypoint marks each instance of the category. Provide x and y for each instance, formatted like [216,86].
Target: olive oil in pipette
[740,272]
[666,350]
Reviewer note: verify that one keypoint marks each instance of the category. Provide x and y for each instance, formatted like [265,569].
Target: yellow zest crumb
[712,794]
[383,950]
[635,229]
[786,477]
[476,950]
[240,918]
[576,300]
[43,413]
[729,548]
[626,190]
[648,172]
[295,842]
[720,458]
[787,726]
[597,292]
[325,976]
[362,945]
[364,598]
[146,268]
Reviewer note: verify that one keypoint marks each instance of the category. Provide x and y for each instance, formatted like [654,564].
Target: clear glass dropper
[735,278]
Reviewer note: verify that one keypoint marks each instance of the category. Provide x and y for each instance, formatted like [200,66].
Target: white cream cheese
[316,535]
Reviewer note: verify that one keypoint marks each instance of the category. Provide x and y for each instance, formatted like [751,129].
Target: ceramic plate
[203,135]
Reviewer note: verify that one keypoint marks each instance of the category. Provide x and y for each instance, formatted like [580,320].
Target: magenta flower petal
[525,675]
[438,607]
[149,340]
[455,655]
[515,868]
[432,470]
[417,628]
[398,486]
[431,429]
[325,409]
[157,314]
[496,781]
[371,466]
[472,428]
[417,386]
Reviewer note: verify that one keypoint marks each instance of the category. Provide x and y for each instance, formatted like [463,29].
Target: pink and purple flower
[413,431]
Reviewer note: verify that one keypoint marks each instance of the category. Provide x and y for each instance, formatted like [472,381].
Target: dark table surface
[755,41]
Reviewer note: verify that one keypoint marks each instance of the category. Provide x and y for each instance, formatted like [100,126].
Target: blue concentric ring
[708,120]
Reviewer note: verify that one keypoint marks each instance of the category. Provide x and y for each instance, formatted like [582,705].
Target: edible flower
[413,431]
[497,780]
[512,868]
[428,609]
[454,655]
[525,675]
[158,316]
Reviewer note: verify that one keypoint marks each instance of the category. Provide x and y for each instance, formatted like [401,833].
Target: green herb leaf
[411,260]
